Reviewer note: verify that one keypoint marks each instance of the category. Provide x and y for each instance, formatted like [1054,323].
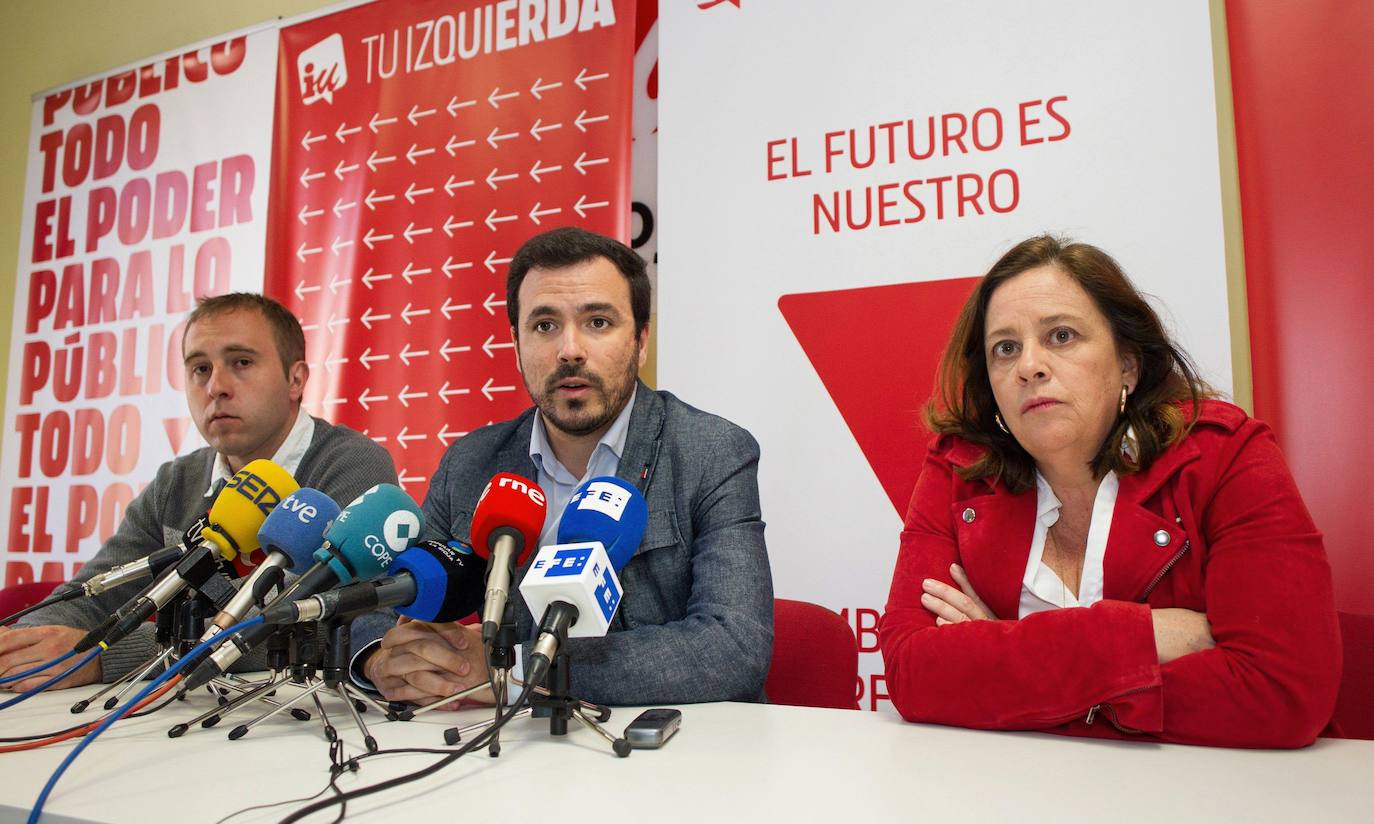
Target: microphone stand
[183,614]
[557,702]
[166,622]
[278,647]
[330,652]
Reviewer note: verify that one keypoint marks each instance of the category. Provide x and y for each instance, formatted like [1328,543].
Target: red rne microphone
[505,528]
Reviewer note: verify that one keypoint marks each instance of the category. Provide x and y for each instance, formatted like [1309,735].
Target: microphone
[291,534]
[232,529]
[573,583]
[366,537]
[150,566]
[505,526]
[430,581]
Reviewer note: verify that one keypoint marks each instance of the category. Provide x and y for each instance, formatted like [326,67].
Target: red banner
[417,146]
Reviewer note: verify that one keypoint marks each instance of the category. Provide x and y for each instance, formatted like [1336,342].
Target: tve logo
[566,562]
[304,512]
[322,70]
[606,498]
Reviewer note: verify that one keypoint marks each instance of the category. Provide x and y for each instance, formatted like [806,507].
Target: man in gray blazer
[245,376]
[696,620]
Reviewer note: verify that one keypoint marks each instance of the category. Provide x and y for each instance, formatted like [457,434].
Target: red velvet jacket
[1240,546]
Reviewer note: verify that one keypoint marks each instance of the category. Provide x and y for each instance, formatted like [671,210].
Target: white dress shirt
[1041,588]
[557,482]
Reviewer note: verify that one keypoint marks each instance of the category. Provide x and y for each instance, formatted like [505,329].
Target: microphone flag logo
[606,498]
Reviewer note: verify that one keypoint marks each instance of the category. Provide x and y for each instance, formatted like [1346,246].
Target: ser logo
[322,70]
[256,490]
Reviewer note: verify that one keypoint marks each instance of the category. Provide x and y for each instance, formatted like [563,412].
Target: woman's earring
[997,416]
[1121,408]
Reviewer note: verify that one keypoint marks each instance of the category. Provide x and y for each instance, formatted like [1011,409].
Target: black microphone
[151,566]
[430,581]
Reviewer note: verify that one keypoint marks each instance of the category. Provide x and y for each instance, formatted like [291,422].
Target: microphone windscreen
[608,510]
[370,533]
[449,581]
[244,504]
[510,505]
[297,526]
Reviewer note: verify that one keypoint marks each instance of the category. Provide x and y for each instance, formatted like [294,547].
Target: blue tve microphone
[291,534]
[363,540]
[573,583]
[430,581]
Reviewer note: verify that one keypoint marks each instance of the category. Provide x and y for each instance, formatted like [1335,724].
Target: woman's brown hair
[964,405]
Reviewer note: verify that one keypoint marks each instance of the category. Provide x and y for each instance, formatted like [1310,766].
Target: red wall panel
[1303,81]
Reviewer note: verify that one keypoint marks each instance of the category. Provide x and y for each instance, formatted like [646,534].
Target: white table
[729,762]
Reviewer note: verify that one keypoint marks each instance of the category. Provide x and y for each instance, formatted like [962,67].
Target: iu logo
[322,70]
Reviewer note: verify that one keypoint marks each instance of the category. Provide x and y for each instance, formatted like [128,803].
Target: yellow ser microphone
[235,517]
[242,506]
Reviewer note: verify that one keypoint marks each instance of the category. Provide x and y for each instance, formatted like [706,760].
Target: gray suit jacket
[696,620]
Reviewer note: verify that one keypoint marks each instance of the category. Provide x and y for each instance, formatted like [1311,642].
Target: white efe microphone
[573,584]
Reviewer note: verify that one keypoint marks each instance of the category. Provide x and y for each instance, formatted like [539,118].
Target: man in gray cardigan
[696,619]
[245,375]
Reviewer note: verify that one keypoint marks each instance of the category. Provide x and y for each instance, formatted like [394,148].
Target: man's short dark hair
[286,330]
[568,246]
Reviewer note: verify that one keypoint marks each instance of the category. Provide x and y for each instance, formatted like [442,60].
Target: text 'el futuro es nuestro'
[891,147]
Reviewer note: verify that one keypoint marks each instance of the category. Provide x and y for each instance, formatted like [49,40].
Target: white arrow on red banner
[537,87]
[491,344]
[583,78]
[447,350]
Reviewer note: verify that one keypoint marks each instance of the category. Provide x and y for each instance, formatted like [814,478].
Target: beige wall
[46,43]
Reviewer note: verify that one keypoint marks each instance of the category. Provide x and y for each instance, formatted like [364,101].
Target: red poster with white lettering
[417,145]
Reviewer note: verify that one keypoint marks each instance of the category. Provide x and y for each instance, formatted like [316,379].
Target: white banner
[146,188]
[832,177]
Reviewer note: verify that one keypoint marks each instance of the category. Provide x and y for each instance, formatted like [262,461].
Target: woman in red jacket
[1094,546]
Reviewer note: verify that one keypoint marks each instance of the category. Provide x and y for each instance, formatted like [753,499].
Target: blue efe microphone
[362,541]
[573,584]
[607,510]
[294,529]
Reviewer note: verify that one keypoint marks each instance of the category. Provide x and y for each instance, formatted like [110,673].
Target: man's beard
[613,401]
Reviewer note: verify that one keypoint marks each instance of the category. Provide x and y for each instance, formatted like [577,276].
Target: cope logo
[322,70]
[398,531]
[256,490]
[607,498]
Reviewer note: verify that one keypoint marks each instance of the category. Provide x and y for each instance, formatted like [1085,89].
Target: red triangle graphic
[176,432]
[876,350]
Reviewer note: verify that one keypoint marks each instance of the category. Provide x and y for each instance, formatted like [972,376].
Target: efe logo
[607,498]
